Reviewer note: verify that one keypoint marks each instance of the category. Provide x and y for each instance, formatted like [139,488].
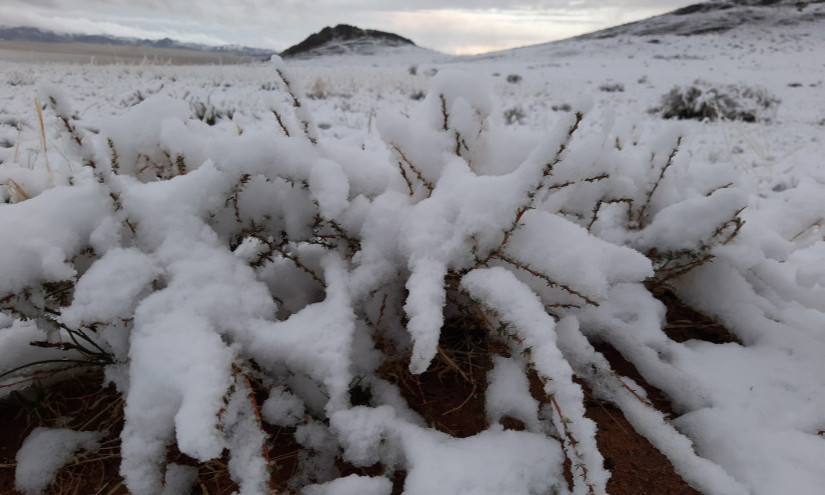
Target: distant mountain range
[340,39]
[36,35]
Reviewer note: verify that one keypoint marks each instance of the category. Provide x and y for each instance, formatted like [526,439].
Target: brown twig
[280,122]
[296,103]
[579,181]
[598,208]
[446,116]
[259,421]
[309,271]
[563,421]
[415,170]
[550,282]
[547,170]
[640,218]
[460,406]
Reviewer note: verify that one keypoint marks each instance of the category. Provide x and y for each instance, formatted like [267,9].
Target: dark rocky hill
[345,39]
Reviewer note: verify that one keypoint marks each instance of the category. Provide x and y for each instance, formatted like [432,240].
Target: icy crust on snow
[44,452]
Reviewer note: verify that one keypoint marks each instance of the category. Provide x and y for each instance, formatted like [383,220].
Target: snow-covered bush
[612,87]
[514,115]
[201,264]
[704,100]
[208,112]
[18,78]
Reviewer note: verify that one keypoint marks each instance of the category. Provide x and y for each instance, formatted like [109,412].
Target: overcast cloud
[450,26]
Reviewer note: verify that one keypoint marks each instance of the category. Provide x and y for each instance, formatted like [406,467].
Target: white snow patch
[44,452]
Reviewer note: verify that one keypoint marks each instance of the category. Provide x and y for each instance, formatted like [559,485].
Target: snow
[44,452]
[491,462]
[351,485]
[508,393]
[210,231]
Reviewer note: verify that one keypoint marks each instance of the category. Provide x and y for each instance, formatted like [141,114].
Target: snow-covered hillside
[309,230]
[719,16]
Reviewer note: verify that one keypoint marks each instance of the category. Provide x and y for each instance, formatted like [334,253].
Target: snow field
[210,230]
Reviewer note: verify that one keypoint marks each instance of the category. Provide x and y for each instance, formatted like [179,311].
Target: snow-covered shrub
[319,90]
[200,264]
[20,78]
[208,112]
[704,100]
[612,87]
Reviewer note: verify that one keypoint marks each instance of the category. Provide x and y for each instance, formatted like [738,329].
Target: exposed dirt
[685,323]
[450,396]
[635,465]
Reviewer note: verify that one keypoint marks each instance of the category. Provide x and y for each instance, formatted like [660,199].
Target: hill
[720,16]
[343,39]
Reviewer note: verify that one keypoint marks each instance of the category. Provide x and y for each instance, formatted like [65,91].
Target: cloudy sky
[450,26]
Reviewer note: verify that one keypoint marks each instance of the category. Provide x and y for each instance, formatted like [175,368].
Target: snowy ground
[161,278]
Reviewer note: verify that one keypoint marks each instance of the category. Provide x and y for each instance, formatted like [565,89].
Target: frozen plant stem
[640,218]
[39,109]
[547,171]
[415,170]
[572,450]
[17,143]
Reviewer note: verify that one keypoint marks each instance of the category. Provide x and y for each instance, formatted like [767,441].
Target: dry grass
[39,108]
[80,403]
[450,394]
[16,193]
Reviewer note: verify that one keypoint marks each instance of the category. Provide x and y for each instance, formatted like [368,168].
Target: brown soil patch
[685,323]
[450,394]
[636,466]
